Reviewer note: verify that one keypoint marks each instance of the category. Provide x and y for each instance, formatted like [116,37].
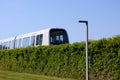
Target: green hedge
[67,60]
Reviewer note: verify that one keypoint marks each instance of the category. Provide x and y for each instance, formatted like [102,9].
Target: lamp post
[86,22]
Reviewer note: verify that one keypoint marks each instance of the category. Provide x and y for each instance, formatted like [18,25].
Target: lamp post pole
[86,22]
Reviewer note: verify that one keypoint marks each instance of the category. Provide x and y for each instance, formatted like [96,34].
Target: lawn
[9,75]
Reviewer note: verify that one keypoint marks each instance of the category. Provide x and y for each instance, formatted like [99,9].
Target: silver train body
[50,36]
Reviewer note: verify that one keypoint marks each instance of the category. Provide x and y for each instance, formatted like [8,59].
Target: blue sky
[24,16]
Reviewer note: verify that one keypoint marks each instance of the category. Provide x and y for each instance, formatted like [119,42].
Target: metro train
[50,36]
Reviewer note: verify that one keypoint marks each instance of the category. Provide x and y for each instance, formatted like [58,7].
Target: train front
[58,36]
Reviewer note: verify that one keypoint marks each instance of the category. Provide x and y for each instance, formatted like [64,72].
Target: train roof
[29,34]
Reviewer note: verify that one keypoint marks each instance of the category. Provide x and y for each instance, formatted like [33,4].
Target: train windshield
[58,36]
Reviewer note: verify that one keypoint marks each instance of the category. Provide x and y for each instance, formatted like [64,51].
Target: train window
[18,43]
[11,43]
[5,45]
[0,45]
[32,40]
[26,41]
[58,36]
[61,37]
[39,39]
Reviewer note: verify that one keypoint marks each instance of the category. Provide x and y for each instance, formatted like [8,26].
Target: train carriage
[50,36]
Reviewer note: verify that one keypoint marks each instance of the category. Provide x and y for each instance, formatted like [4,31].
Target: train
[49,36]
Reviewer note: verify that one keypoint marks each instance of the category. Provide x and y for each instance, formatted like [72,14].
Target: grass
[9,75]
